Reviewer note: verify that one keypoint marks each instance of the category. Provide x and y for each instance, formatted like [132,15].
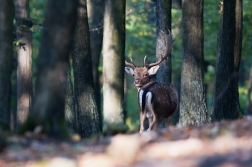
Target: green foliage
[22,27]
[16,43]
[140,31]
[247,35]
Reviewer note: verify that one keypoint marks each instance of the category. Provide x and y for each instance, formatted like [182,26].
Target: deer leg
[150,112]
[142,118]
[150,120]
[153,124]
[167,121]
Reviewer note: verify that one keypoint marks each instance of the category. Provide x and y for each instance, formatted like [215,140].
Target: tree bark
[192,100]
[248,98]
[226,97]
[70,111]
[113,61]
[163,24]
[96,38]
[87,113]
[6,39]
[49,101]
[24,59]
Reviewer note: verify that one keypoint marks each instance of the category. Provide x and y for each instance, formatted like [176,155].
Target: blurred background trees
[48,105]
[141,29]
[24,60]
[6,39]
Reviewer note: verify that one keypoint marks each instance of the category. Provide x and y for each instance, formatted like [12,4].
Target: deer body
[157,101]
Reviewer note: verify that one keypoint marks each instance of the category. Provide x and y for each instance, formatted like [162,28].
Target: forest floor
[220,144]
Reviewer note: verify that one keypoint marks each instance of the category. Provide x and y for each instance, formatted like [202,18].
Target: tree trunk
[226,97]
[6,39]
[163,24]
[24,59]
[49,101]
[248,99]
[87,113]
[177,4]
[163,10]
[192,100]
[113,61]
[70,112]
[176,115]
[96,37]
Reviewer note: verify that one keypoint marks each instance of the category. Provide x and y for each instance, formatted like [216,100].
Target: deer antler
[168,42]
[130,64]
[145,61]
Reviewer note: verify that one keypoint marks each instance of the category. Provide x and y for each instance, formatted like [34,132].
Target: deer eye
[133,75]
[145,75]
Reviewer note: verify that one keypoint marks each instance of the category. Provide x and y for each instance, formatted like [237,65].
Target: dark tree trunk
[87,113]
[113,61]
[176,115]
[24,60]
[192,99]
[49,101]
[248,99]
[6,39]
[163,24]
[70,112]
[163,10]
[177,4]
[96,36]
[226,97]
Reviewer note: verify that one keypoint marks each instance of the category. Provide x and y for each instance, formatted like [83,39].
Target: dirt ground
[220,144]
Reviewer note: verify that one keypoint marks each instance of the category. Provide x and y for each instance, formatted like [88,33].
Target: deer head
[143,74]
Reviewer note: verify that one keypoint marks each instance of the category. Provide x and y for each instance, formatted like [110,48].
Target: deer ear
[153,70]
[129,70]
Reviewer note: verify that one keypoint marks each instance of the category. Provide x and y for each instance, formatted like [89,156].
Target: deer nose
[137,81]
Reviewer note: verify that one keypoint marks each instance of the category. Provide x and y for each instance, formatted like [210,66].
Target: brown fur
[165,101]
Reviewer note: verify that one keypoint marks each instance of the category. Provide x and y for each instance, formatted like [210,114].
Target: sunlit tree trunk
[113,61]
[96,36]
[192,99]
[87,113]
[6,39]
[226,97]
[24,59]
[49,100]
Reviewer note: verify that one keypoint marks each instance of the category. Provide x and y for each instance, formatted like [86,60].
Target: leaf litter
[219,144]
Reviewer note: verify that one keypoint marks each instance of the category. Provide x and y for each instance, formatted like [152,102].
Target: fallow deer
[157,101]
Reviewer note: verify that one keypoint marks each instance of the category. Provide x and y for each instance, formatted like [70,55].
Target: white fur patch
[140,97]
[148,105]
